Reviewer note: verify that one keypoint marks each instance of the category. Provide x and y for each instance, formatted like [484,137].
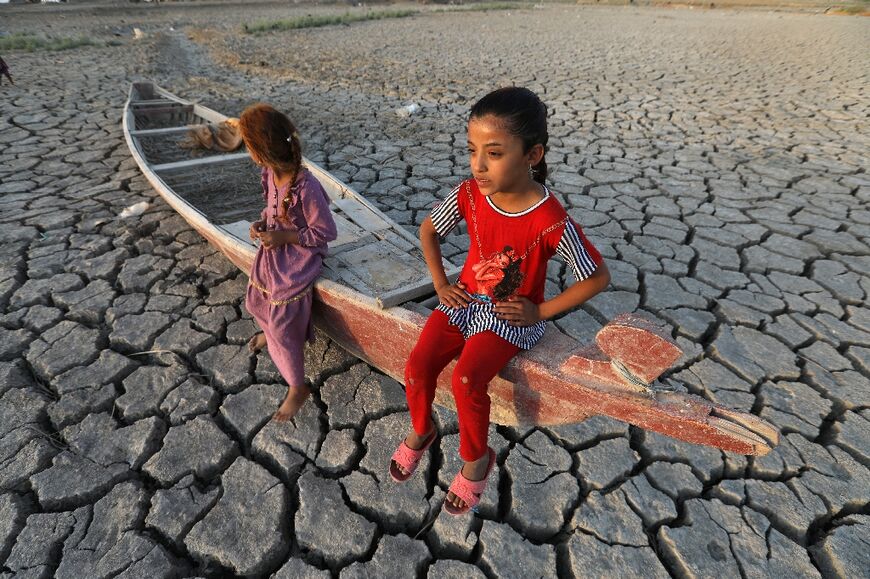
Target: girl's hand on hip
[453,295]
[518,311]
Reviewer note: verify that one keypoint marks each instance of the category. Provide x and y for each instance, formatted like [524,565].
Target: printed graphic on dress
[498,277]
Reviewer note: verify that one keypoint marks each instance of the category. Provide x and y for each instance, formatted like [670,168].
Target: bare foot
[414,442]
[257,343]
[473,471]
[296,397]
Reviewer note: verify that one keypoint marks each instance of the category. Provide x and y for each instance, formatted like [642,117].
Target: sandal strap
[469,491]
[407,457]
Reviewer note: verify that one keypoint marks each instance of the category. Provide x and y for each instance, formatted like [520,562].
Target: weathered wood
[644,349]
[155,102]
[383,267]
[212,160]
[165,131]
[361,215]
[337,189]
[347,232]
[402,243]
[149,112]
[239,229]
[403,294]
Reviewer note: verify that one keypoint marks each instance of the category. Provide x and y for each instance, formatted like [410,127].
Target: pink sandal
[408,458]
[469,491]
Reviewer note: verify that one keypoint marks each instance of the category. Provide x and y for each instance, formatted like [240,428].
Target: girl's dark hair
[272,137]
[513,279]
[524,116]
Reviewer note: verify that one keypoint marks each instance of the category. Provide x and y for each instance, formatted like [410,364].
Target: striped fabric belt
[295,298]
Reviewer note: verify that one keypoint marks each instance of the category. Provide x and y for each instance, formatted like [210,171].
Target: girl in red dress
[497,306]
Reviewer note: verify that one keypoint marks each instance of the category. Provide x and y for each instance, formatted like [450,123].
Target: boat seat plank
[383,267]
[338,273]
[421,287]
[361,215]
[179,165]
[156,102]
[397,240]
[165,131]
[348,232]
[147,112]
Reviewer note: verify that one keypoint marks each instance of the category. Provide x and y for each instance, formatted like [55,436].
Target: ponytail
[540,170]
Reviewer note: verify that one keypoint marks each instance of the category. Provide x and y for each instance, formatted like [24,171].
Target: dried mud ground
[717,158]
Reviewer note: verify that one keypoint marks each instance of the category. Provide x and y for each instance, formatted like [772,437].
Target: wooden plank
[421,288]
[336,189]
[163,110]
[411,291]
[397,240]
[154,103]
[346,277]
[214,159]
[166,131]
[347,232]
[383,267]
[361,215]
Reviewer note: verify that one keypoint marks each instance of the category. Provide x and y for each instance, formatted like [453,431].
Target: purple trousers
[287,326]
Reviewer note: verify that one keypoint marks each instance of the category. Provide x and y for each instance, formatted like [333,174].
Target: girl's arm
[451,295]
[315,207]
[320,228]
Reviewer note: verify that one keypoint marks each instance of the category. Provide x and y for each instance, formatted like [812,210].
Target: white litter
[134,210]
[137,33]
[408,110]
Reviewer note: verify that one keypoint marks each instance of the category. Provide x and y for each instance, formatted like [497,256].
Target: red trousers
[480,359]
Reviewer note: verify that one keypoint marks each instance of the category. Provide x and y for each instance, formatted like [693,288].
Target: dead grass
[323,20]
[31,43]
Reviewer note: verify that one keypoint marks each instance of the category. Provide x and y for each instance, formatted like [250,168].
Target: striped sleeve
[580,254]
[447,214]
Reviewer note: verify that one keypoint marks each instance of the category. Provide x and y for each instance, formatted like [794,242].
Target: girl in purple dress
[293,231]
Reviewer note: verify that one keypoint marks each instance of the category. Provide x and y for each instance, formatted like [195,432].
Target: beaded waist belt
[295,298]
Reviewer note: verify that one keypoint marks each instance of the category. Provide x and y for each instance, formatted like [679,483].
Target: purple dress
[279,291]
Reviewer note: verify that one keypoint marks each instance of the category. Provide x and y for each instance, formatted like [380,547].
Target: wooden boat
[376,293]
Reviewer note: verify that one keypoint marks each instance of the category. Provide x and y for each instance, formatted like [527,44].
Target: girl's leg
[438,344]
[286,331]
[292,369]
[481,359]
[258,306]
[257,342]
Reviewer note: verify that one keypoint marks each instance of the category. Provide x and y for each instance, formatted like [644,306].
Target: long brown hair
[272,139]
